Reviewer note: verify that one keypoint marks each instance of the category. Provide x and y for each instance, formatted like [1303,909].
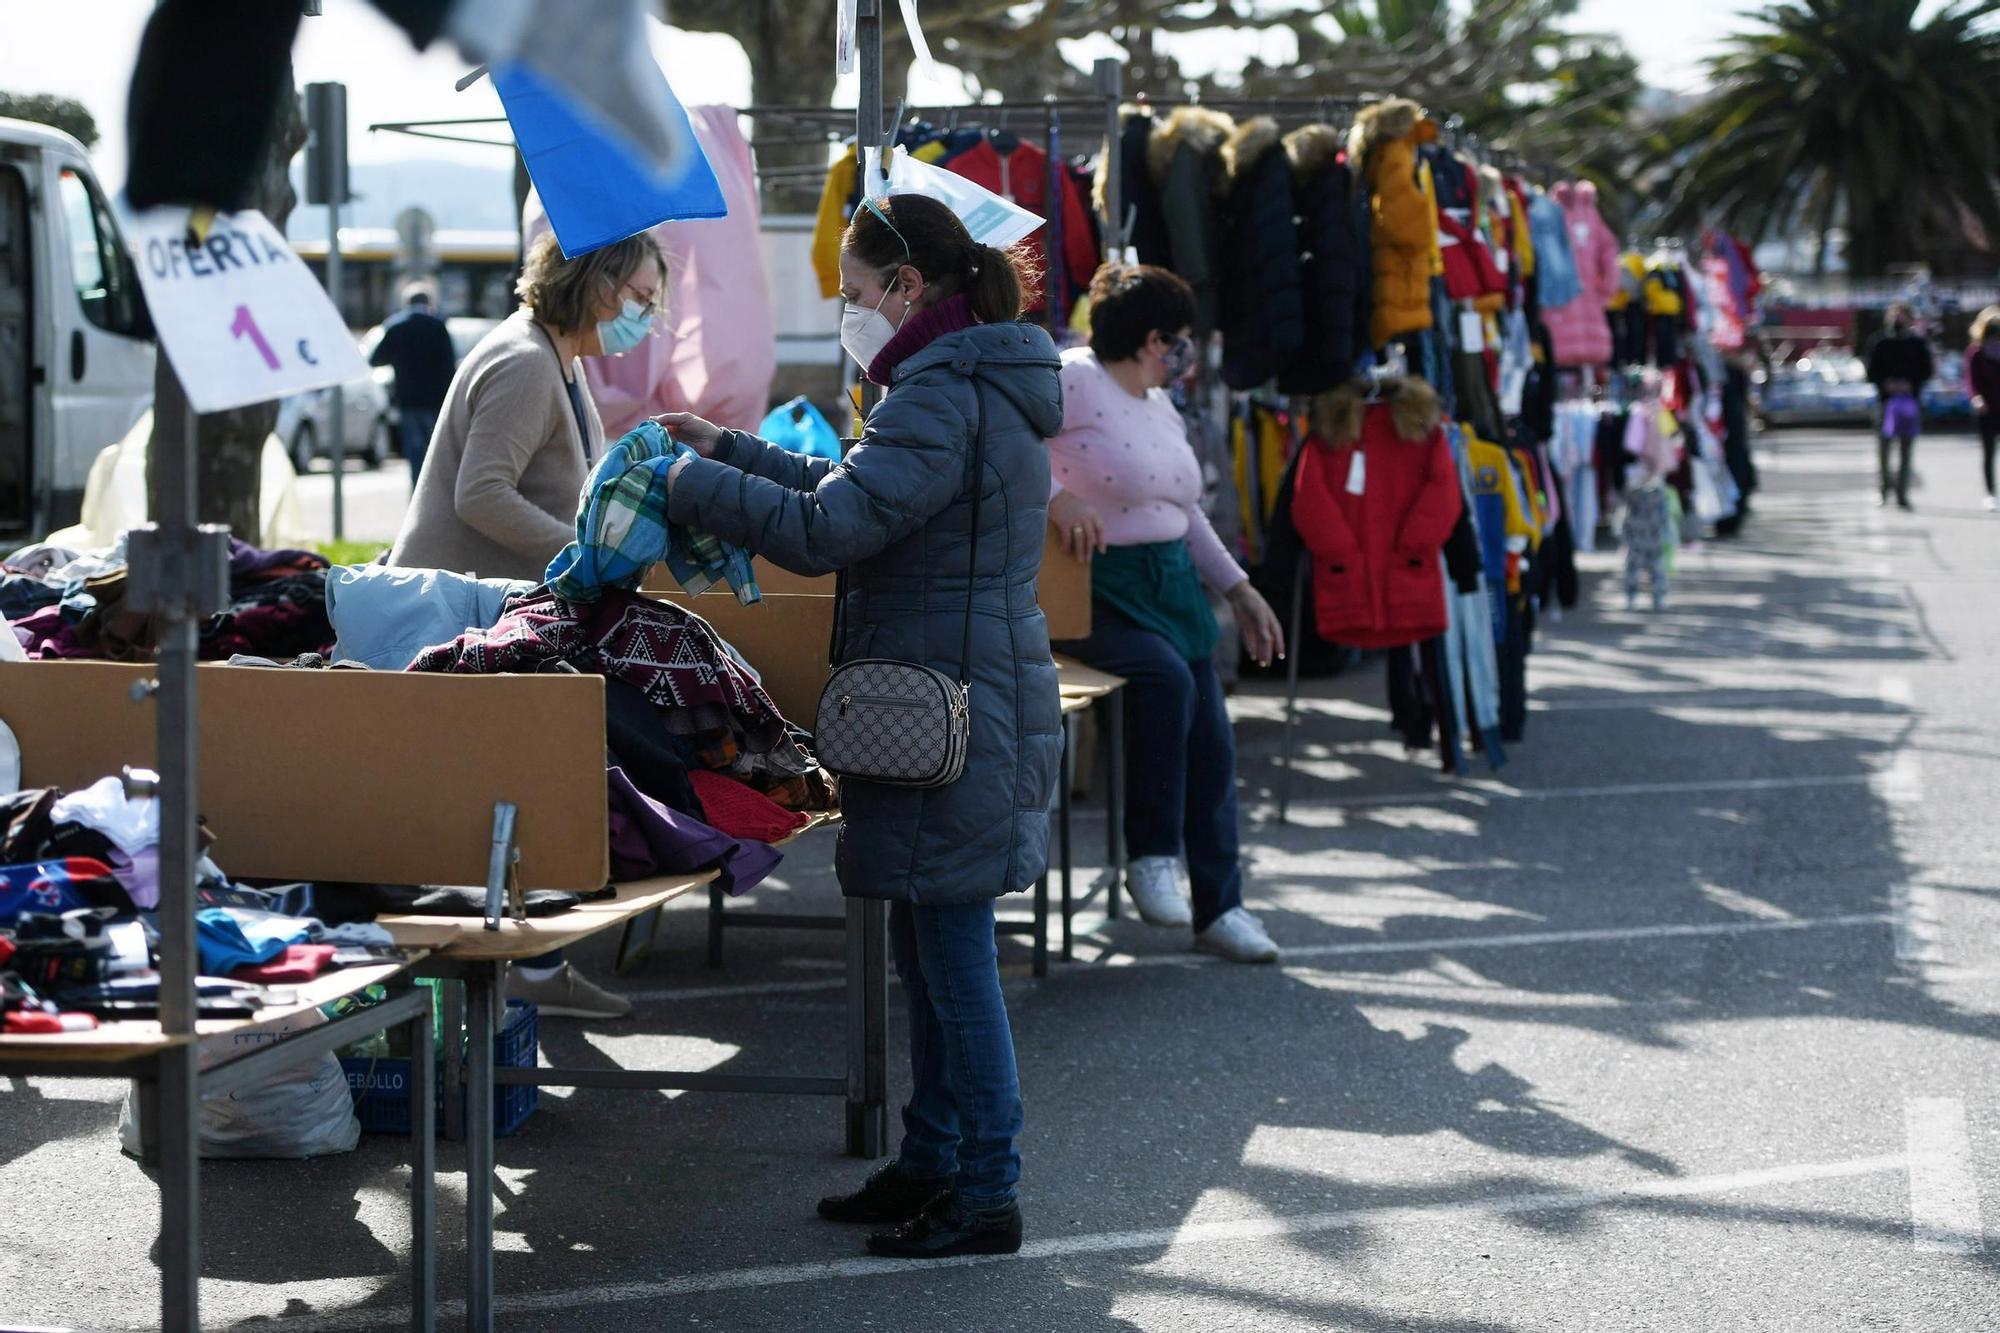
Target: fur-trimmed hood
[1312,149]
[1199,128]
[1247,144]
[1387,121]
[1414,410]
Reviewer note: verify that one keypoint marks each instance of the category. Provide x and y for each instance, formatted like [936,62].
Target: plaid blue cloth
[622,529]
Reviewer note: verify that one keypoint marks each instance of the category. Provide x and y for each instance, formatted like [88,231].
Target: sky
[85,48]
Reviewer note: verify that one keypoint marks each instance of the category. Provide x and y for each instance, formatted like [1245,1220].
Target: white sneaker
[1155,883]
[1992,504]
[1239,937]
[567,994]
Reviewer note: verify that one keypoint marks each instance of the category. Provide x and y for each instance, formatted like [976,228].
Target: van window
[105,281]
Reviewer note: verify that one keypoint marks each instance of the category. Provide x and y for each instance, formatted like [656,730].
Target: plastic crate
[381,1084]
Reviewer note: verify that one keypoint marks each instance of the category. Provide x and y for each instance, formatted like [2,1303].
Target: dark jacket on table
[1184,159]
[1376,533]
[1258,304]
[1333,261]
[896,514]
[1899,356]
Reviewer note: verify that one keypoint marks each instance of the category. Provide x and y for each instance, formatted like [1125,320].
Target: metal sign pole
[170,552]
[327,183]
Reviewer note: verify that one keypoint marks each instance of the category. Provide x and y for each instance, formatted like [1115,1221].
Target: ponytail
[997,281]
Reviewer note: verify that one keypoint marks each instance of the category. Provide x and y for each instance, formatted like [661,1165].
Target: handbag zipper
[869,701]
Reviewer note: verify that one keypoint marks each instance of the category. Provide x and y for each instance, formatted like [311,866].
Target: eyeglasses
[876,209]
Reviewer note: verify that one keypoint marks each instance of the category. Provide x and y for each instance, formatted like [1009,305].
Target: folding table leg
[423,1177]
[482,987]
[715,901]
[1042,925]
[867,1028]
[1114,812]
[454,1060]
[1068,781]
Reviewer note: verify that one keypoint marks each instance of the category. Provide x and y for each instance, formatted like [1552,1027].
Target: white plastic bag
[991,220]
[302,1110]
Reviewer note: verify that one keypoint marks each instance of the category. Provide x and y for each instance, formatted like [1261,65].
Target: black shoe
[1904,505]
[889,1195]
[944,1230]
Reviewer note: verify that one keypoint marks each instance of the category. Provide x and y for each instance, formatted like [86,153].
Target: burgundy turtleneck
[919,331]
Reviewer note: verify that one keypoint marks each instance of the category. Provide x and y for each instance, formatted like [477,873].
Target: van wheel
[305,447]
[377,452]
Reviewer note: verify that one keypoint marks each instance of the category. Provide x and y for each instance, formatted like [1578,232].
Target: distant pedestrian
[1899,365]
[417,346]
[1982,381]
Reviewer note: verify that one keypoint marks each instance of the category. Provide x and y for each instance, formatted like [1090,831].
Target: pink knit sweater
[1129,459]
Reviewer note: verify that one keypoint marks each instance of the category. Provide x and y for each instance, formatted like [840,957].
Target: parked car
[76,341]
[305,423]
[1821,389]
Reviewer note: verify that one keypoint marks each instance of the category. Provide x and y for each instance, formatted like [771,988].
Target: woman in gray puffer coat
[934,318]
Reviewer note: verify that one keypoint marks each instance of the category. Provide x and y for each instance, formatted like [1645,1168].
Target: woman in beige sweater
[519,433]
[514,444]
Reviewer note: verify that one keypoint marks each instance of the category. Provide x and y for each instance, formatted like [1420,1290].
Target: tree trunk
[229,446]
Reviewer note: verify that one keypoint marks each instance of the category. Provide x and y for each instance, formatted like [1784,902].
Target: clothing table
[1082,689]
[132,1048]
[463,949]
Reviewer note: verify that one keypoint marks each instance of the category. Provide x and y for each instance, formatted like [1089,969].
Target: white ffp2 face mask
[864,333]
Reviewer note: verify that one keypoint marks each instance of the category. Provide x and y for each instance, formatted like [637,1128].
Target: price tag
[1471,331]
[240,316]
[1357,473]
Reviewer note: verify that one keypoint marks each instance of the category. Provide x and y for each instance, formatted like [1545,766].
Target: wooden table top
[131,1039]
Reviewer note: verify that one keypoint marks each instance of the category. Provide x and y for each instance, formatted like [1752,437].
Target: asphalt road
[1684,1021]
[372,503]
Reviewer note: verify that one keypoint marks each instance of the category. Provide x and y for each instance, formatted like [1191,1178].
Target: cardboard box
[370,776]
[1063,590]
[785,637]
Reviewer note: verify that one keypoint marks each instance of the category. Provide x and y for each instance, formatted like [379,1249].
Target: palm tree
[1849,112]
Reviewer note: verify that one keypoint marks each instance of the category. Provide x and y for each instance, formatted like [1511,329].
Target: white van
[76,344]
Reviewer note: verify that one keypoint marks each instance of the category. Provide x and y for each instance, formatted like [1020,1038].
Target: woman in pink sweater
[1128,499]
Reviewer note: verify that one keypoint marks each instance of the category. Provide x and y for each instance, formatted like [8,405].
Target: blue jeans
[414,429]
[964,1112]
[1180,758]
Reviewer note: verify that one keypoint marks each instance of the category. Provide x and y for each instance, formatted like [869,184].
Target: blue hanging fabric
[595,191]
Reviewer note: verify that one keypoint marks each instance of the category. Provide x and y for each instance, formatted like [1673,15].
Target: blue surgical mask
[627,331]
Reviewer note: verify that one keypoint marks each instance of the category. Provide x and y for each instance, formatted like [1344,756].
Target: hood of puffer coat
[1018,360]
[1312,149]
[1197,127]
[1414,409]
[1247,144]
[1387,121]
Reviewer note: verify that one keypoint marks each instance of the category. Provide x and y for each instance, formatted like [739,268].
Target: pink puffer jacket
[1579,330]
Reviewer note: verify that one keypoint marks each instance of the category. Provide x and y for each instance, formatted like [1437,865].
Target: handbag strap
[839,638]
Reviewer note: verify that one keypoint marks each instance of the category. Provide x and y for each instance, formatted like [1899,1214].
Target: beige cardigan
[498,493]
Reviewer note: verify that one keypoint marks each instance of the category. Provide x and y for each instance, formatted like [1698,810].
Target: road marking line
[1446,944]
[1478,787]
[1902,782]
[1388,1219]
[1944,1198]
[1897,693]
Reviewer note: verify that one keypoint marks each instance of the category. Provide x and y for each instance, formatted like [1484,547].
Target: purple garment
[1900,417]
[48,633]
[139,873]
[246,561]
[649,839]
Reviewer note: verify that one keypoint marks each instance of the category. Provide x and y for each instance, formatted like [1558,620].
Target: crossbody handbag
[903,724]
